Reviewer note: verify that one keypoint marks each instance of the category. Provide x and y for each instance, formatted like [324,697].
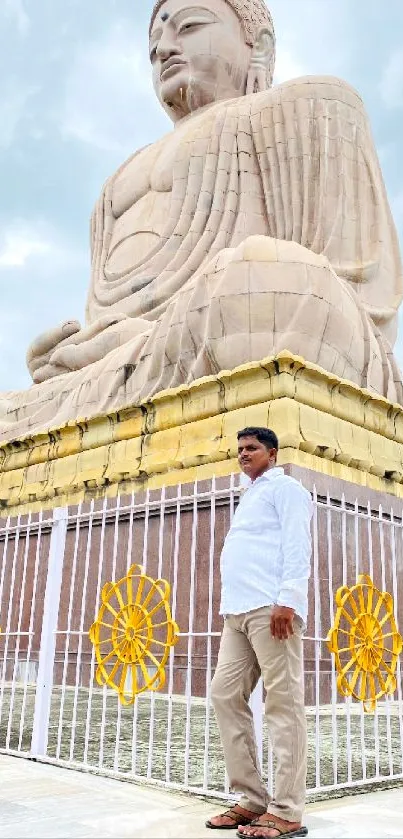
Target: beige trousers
[247,651]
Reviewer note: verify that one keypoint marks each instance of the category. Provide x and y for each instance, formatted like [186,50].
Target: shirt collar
[275,472]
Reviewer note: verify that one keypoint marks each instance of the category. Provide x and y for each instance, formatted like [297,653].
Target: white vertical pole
[381,526]
[105,689]
[9,611]
[18,636]
[96,610]
[370,551]
[318,633]
[231,511]
[331,623]
[189,672]
[159,575]
[376,714]
[31,627]
[206,762]
[48,637]
[358,558]
[68,632]
[399,705]
[171,652]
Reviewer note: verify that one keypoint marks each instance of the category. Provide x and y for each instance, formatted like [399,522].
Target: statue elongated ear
[261,62]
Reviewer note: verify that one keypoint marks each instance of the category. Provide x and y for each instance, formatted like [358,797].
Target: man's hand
[281,622]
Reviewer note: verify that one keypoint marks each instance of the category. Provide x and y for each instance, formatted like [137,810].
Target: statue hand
[69,347]
[96,341]
[39,352]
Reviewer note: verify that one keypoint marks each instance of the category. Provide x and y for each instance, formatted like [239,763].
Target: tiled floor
[42,801]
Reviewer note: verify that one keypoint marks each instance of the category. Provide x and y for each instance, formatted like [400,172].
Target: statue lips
[171,66]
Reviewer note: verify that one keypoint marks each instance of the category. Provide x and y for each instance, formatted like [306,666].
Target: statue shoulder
[325,88]
[127,164]
[130,171]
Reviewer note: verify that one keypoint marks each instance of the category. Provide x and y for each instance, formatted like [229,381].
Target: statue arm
[41,349]
[68,347]
[329,194]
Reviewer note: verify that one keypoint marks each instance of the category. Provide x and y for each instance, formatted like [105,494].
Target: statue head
[203,51]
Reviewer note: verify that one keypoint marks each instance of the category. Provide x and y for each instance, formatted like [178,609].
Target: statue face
[199,55]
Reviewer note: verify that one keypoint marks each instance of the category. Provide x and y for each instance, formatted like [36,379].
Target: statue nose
[167,46]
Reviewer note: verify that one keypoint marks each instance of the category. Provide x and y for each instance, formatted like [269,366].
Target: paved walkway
[42,801]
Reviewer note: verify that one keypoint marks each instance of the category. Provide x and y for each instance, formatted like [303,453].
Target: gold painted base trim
[324,423]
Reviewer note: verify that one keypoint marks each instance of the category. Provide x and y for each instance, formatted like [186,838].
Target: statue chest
[141,204]
[142,193]
[149,171]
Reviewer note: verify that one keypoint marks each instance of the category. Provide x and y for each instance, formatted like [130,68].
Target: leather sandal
[300,831]
[237,818]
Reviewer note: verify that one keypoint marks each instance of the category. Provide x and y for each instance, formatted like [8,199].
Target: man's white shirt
[266,558]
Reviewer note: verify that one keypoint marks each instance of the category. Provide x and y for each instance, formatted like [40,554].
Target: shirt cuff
[293,598]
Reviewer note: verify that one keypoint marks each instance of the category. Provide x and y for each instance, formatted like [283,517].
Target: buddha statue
[259,224]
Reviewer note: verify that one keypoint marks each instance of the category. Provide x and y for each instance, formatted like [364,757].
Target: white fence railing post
[48,636]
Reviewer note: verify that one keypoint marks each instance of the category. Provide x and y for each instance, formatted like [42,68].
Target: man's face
[198,53]
[254,458]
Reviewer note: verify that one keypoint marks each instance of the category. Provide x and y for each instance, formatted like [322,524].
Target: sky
[76,100]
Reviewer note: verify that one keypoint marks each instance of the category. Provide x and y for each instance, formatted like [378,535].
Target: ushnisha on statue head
[204,51]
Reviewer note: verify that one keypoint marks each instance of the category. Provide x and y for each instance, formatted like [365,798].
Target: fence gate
[53,568]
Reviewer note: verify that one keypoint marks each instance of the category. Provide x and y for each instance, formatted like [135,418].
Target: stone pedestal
[325,424]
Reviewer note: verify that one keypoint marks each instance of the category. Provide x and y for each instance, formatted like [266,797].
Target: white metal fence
[53,568]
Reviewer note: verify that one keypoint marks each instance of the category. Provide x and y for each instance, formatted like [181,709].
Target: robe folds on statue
[278,236]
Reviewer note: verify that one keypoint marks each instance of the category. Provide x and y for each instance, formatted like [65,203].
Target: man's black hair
[264,435]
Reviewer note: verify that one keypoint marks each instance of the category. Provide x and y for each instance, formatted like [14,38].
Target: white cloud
[398,348]
[397,207]
[108,91]
[287,66]
[385,152]
[312,37]
[391,84]
[24,241]
[43,281]
[19,246]
[397,210]
[14,97]
[16,12]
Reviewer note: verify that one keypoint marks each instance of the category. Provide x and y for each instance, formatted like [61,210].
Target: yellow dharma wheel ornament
[365,642]
[133,635]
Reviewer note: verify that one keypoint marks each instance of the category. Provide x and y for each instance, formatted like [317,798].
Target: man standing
[265,567]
